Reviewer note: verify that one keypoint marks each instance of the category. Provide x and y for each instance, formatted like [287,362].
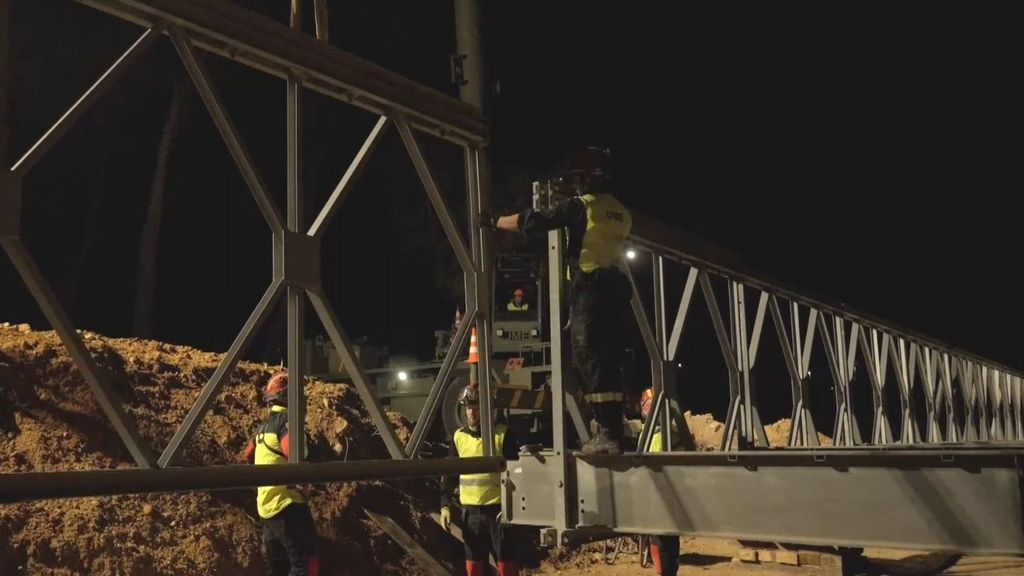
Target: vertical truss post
[685,435]
[660,371]
[734,416]
[482,278]
[665,346]
[928,367]
[902,353]
[564,500]
[1018,400]
[841,356]
[751,429]
[947,368]
[969,392]
[995,394]
[651,341]
[296,295]
[876,357]
[1009,428]
[846,357]
[803,431]
[727,353]
[981,389]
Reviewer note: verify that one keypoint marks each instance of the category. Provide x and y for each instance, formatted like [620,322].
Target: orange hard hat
[646,399]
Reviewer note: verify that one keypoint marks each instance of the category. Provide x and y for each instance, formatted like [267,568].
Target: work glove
[489,220]
[446,519]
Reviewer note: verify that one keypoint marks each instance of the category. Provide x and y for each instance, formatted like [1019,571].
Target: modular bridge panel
[963,501]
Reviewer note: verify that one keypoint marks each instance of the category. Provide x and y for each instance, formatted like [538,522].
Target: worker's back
[272,448]
[608,225]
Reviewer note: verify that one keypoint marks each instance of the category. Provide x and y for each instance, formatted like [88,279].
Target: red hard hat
[276,390]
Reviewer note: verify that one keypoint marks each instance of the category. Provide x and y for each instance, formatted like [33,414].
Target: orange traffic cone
[474,355]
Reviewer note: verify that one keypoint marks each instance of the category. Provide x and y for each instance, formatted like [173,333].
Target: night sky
[871,158]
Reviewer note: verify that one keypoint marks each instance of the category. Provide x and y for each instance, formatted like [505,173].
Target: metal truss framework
[965,501]
[579,497]
[305,64]
[966,398]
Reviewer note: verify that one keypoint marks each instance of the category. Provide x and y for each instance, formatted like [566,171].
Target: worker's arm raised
[530,221]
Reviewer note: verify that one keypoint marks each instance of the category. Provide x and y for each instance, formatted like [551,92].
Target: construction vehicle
[522,367]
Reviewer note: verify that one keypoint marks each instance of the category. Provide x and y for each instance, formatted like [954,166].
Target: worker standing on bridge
[664,548]
[598,225]
[480,494]
[287,524]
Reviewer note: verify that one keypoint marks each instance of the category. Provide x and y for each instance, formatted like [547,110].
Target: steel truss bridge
[945,475]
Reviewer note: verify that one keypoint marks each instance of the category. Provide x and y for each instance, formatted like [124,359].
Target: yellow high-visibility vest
[479,489]
[270,500]
[608,225]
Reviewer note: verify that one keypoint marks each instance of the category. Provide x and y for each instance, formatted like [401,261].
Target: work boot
[602,443]
[508,569]
[668,564]
[608,439]
[476,568]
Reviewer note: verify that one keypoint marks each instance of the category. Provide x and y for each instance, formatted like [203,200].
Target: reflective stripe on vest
[479,489]
[599,397]
[608,224]
[484,480]
[270,500]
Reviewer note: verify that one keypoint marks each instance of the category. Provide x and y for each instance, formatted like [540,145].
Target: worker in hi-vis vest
[597,225]
[288,531]
[480,494]
[664,548]
[518,302]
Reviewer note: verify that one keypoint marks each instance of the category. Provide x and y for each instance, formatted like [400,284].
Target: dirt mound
[707,432]
[50,421]
[778,433]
